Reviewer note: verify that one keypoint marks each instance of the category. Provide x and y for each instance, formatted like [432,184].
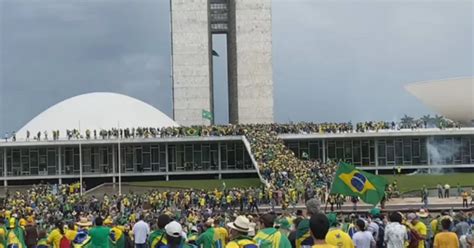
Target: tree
[438,120]
[427,119]
[407,121]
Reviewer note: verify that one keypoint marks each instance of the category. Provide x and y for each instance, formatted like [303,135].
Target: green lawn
[409,183]
[202,184]
[405,182]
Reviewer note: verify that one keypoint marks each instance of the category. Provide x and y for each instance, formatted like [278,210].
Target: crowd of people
[239,129]
[58,216]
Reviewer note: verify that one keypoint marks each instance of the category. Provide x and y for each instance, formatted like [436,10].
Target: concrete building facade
[247,25]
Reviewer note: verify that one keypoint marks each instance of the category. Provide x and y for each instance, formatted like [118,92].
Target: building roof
[98,110]
[453,98]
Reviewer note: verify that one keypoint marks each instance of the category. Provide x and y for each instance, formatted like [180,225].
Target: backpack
[64,242]
[414,239]
[380,238]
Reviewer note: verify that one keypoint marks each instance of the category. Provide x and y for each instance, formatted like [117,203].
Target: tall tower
[247,24]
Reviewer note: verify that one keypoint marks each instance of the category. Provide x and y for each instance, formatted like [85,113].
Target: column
[5,183]
[428,157]
[219,159]
[60,167]
[166,162]
[376,155]
[324,150]
[114,164]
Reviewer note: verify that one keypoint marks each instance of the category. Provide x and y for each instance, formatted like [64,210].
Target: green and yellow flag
[350,181]
[207,115]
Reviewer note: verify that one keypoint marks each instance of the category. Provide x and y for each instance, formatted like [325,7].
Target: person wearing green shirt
[207,239]
[158,237]
[269,237]
[99,235]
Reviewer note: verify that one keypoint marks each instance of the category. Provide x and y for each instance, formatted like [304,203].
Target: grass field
[405,182]
[409,183]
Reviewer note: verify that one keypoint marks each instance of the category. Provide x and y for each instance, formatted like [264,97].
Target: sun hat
[422,213]
[84,222]
[174,229]
[241,224]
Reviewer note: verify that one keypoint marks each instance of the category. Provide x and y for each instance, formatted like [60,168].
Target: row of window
[134,158]
[390,151]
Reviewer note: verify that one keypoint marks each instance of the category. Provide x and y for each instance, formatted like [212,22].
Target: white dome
[96,111]
[453,98]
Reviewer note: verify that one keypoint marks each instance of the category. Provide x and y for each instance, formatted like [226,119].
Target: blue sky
[332,60]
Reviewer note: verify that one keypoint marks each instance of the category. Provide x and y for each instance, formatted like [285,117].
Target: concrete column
[376,155]
[166,162]
[324,150]
[428,157]
[60,167]
[114,164]
[5,183]
[219,159]
[191,55]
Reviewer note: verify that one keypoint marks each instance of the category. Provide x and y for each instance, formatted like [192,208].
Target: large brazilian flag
[350,181]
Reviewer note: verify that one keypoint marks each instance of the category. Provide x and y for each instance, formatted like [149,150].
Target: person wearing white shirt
[395,233]
[141,230]
[363,238]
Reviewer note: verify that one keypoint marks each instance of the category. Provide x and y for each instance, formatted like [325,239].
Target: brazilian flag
[350,181]
[207,115]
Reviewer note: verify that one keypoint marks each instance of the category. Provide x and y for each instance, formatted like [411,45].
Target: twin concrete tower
[248,26]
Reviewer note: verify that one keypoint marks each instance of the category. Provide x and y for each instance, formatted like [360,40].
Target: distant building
[453,98]
[248,26]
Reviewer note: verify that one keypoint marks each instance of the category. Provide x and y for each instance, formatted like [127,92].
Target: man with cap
[174,236]
[208,238]
[192,236]
[157,236]
[335,235]
[239,233]
[303,233]
[269,236]
[419,227]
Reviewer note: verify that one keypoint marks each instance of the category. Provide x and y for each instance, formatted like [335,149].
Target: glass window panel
[348,150]
[189,153]
[314,151]
[391,154]
[205,153]
[415,148]
[365,149]
[381,147]
[399,148]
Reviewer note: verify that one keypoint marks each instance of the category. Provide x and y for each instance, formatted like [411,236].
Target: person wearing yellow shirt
[319,226]
[3,233]
[415,224]
[239,233]
[71,232]
[445,238]
[220,233]
[56,235]
[335,235]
